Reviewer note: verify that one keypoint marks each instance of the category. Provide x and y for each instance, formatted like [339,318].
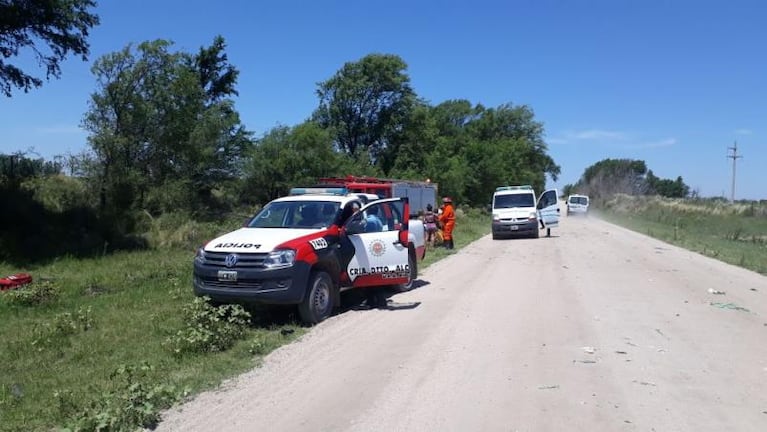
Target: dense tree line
[626,176]
[165,136]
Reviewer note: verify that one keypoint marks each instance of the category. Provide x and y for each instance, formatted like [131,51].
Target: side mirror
[355,224]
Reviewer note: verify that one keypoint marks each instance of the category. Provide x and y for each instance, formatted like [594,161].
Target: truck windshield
[296,214]
[579,200]
[514,200]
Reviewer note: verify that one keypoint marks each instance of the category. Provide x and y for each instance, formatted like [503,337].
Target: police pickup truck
[306,248]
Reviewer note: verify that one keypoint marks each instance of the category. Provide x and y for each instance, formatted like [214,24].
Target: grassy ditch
[733,233]
[107,343]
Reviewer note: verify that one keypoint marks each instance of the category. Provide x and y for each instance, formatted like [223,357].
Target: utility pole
[733,154]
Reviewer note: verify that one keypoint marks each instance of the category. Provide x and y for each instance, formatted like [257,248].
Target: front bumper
[515,228]
[253,285]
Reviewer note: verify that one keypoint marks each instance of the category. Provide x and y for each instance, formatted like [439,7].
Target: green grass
[117,312]
[736,234]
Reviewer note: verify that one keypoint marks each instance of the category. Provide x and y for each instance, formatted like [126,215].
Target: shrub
[52,334]
[58,193]
[33,294]
[132,405]
[208,328]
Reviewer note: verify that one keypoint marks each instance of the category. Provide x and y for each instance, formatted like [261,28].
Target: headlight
[200,254]
[496,217]
[280,259]
[533,215]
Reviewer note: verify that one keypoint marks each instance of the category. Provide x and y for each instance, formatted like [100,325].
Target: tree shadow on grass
[32,234]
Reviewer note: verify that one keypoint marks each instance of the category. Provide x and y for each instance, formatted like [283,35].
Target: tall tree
[61,26]
[365,104]
[611,176]
[287,157]
[162,131]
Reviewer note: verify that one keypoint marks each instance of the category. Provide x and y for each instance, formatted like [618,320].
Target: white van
[517,212]
[577,204]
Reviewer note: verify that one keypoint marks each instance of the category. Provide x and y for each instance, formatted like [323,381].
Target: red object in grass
[15,281]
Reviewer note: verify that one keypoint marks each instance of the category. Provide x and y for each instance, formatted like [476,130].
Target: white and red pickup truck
[305,249]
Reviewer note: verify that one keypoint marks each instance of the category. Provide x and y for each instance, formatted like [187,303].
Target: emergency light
[505,188]
[319,190]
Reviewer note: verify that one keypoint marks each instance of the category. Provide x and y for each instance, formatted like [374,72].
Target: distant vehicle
[517,212]
[577,204]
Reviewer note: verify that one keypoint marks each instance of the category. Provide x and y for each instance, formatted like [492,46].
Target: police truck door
[380,257]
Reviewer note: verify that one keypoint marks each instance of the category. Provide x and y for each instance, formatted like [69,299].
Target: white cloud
[743,131]
[666,142]
[612,138]
[598,135]
[590,135]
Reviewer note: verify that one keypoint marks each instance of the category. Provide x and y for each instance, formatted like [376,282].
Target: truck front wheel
[317,304]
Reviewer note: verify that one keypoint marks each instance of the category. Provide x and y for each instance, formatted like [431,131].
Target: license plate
[514,227]
[227,275]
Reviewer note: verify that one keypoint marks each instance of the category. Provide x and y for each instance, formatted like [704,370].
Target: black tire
[317,304]
[536,234]
[411,262]
[495,236]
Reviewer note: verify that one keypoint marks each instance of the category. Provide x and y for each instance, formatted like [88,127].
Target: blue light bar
[505,188]
[319,190]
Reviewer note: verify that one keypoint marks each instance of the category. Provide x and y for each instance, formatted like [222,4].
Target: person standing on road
[430,224]
[447,219]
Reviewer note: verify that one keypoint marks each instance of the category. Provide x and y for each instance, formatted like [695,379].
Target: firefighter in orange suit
[447,219]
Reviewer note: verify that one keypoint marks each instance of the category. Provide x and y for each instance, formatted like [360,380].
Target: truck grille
[244,260]
[213,283]
[514,220]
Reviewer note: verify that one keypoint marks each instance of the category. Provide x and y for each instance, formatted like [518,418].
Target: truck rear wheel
[317,304]
[413,265]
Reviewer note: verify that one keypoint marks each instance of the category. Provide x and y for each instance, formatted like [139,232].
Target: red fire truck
[419,193]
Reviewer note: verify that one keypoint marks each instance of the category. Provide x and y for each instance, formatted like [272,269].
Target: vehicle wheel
[407,286]
[317,304]
[495,236]
[536,234]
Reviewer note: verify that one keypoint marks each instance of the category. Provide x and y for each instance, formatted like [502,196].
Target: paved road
[595,329]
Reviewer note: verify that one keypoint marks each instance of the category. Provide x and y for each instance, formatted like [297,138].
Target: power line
[733,154]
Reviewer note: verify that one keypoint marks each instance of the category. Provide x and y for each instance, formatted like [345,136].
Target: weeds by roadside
[33,294]
[132,404]
[208,328]
[733,233]
[61,342]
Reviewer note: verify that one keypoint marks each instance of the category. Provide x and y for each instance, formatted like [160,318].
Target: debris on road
[548,387]
[645,383]
[589,350]
[584,361]
[621,352]
[717,292]
[732,306]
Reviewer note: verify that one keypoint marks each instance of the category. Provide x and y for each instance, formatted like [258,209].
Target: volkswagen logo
[230,260]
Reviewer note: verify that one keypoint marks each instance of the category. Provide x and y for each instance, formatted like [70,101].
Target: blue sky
[673,83]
